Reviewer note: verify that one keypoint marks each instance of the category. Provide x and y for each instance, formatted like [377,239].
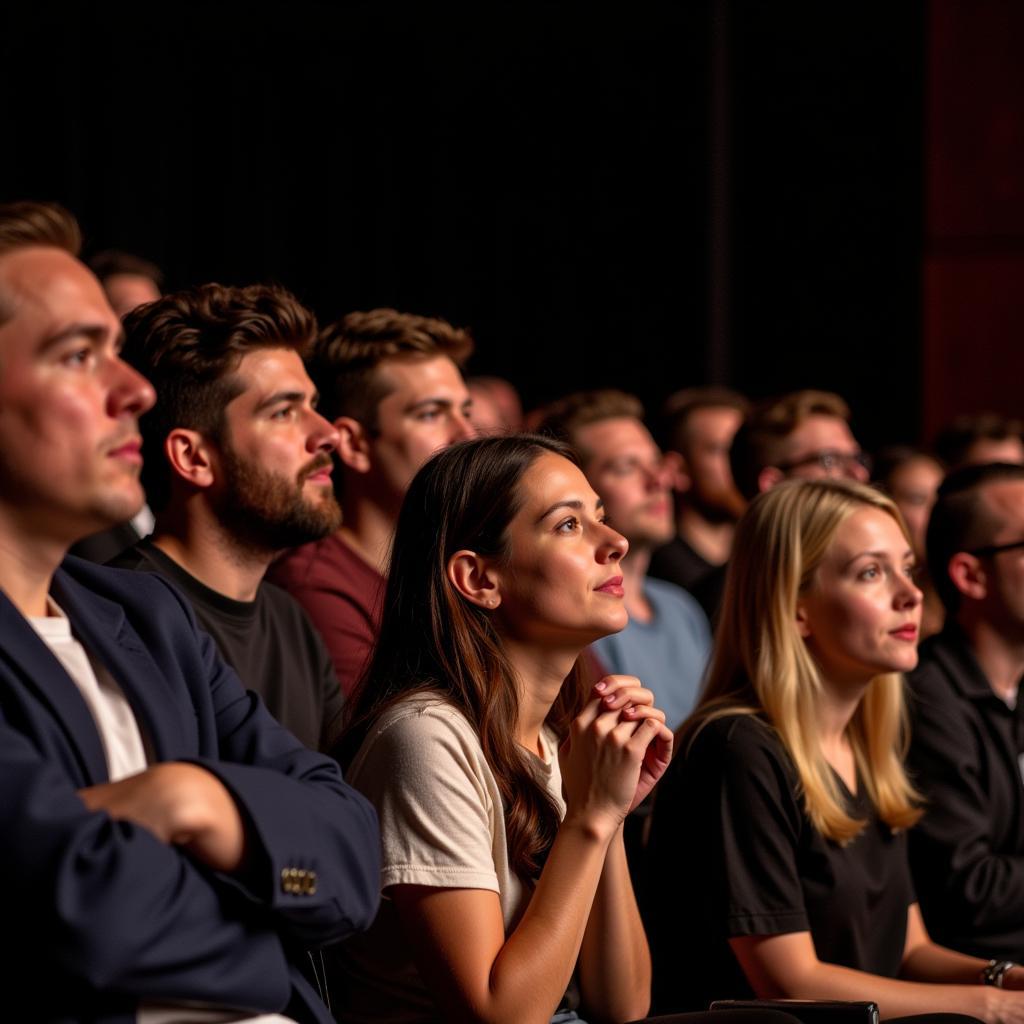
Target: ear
[769,477]
[353,444]
[678,474]
[967,575]
[803,627]
[474,578]
[191,456]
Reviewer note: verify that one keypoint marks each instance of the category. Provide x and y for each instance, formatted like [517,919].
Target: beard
[267,512]
[716,504]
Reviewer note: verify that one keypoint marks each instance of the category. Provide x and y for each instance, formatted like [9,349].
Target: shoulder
[128,587]
[671,600]
[421,726]
[741,743]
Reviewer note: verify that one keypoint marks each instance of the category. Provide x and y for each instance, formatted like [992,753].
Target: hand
[637,703]
[617,748]
[182,805]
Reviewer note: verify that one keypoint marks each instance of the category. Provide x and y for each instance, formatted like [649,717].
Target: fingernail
[610,699]
[600,686]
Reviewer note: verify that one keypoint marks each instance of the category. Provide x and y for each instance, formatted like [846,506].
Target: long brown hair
[432,640]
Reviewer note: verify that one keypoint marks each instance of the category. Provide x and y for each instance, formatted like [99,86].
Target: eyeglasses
[830,460]
[995,549]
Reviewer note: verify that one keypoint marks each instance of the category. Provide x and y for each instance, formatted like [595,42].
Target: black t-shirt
[732,853]
[269,642]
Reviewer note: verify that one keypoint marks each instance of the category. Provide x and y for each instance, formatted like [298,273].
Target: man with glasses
[804,435]
[967,737]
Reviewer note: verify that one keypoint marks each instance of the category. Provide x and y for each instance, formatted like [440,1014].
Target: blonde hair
[761,666]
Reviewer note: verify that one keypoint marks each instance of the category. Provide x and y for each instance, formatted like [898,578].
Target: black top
[732,853]
[967,853]
[678,563]
[269,642]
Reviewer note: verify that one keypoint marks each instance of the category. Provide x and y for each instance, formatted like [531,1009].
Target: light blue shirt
[668,654]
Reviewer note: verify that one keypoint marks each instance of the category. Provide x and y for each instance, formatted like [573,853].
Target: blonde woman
[781,826]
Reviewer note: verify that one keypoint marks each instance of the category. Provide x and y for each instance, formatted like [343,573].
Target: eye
[570,525]
[78,358]
[285,412]
[869,572]
[428,415]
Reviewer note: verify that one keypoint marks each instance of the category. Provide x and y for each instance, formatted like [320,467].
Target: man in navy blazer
[168,848]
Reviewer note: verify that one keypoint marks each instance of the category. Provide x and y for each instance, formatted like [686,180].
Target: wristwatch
[994,973]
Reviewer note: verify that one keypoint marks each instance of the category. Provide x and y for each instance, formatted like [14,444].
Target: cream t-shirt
[442,824]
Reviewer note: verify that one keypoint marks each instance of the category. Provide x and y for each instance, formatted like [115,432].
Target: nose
[854,469]
[612,547]
[908,594]
[130,393]
[462,427]
[322,436]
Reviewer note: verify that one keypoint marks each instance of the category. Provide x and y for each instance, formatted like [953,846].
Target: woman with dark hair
[780,828]
[471,721]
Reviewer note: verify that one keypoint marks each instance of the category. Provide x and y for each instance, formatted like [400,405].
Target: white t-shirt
[442,824]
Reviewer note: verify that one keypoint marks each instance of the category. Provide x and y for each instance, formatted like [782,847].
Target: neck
[541,675]
[1000,657]
[29,556]
[369,528]
[205,550]
[634,572]
[712,541]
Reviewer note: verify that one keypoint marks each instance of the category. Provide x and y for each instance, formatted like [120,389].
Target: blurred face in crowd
[126,292]
[1003,571]
[821,447]
[70,451]
[913,486]
[626,468]
[427,408]
[274,487]
[989,449]
[560,582]
[709,434]
[861,614]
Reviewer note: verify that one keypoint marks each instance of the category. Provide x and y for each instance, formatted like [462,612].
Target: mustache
[321,461]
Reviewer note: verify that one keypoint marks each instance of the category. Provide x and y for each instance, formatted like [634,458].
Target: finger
[586,717]
[628,695]
[634,712]
[610,684]
[646,732]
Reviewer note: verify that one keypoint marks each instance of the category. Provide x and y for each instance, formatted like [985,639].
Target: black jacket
[967,853]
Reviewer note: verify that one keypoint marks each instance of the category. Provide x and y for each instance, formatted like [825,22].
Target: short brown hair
[565,417]
[758,442]
[956,438]
[679,407]
[26,223]
[346,355]
[111,262]
[189,344]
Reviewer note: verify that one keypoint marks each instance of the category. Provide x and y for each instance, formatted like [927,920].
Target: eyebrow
[280,396]
[431,401]
[880,555]
[94,332]
[574,504]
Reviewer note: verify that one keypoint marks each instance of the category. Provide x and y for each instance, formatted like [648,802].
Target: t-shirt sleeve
[425,774]
[751,822]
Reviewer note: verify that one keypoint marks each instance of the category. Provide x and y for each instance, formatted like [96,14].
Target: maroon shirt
[341,594]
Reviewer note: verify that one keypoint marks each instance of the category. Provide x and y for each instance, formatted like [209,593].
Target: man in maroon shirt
[391,383]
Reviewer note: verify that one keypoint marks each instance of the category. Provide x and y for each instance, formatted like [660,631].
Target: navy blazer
[103,914]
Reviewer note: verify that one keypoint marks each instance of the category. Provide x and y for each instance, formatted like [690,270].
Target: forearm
[895,998]
[932,963]
[615,962]
[533,969]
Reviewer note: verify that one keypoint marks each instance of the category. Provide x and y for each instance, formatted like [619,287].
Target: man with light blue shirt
[668,640]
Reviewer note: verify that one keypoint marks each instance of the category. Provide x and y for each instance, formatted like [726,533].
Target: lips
[129,450]
[319,471]
[612,586]
[908,633]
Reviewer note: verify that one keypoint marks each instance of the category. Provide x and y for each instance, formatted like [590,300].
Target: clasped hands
[617,749]
[182,805]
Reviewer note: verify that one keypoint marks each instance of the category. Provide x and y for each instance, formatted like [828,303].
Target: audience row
[352,559]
